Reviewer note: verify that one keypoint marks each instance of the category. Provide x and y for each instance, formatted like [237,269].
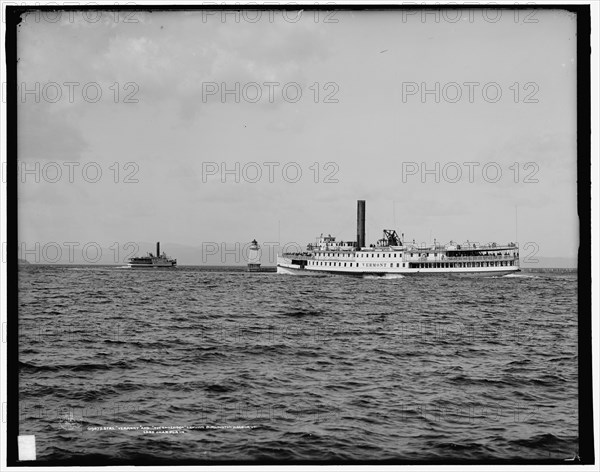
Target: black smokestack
[158,249]
[360,224]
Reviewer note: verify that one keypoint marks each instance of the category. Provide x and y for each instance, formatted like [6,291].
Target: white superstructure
[391,255]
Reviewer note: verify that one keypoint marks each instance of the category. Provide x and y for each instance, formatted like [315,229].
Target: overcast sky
[360,75]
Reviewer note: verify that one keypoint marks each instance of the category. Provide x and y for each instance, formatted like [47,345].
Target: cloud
[46,133]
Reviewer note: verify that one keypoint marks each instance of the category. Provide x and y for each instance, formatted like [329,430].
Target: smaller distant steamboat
[151,261]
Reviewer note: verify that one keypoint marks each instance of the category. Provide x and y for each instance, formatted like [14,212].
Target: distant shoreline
[268,268]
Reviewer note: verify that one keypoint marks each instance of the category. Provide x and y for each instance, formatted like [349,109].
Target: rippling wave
[212,366]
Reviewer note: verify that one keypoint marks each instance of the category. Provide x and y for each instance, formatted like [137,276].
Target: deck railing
[489,257]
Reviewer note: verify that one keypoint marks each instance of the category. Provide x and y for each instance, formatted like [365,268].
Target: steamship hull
[393,257]
[285,267]
[158,265]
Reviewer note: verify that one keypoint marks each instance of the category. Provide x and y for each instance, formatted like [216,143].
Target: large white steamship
[392,255]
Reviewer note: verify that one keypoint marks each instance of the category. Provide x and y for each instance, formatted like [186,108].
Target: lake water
[223,365]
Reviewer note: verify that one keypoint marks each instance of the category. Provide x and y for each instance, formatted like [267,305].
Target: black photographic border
[585,399]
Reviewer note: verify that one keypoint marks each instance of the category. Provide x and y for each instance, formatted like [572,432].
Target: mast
[517,225]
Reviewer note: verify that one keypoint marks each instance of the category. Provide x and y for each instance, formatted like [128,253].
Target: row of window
[357,254]
[423,265]
[379,255]
[454,265]
[352,264]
